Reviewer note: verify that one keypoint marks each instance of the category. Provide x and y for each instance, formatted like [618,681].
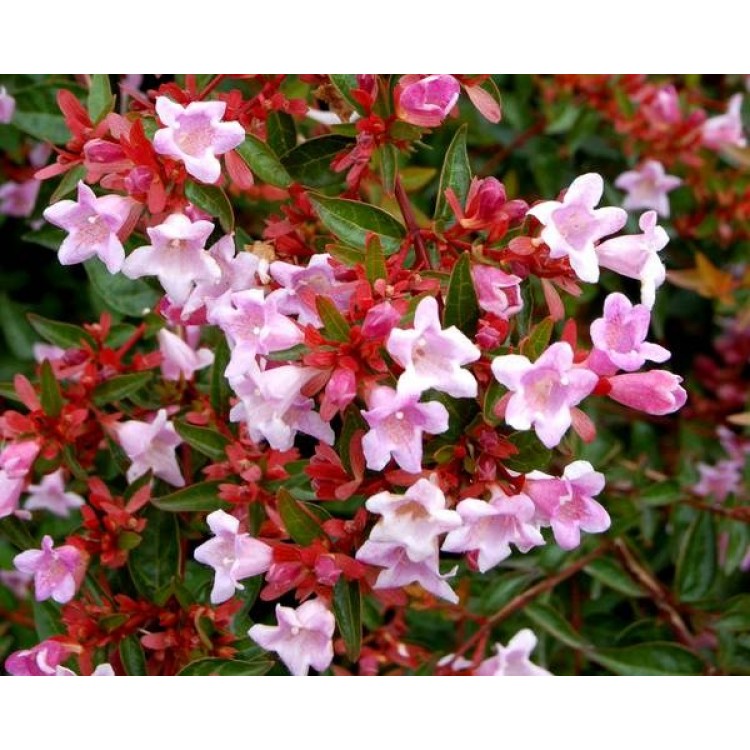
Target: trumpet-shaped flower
[50,495]
[57,572]
[648,187]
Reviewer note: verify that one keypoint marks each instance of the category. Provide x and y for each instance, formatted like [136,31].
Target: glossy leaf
[213,200]
[119,293]
[301,520]
[100,100]
[155,562]
[209,442]
[120,387]
[649,659]
[281,132]
[347,608]
[461,306]
[203,497]
[310,162]
[455,174]
[132,656]
[50,396]
[696,562]
[226,668]
[263,162]
[334,323]
[550,620]
[60,334]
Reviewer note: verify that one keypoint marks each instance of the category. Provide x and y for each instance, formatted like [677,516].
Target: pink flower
[57,572]
[513,660]
[15,463]
[621,334]
[414,520]
[566,504]
[303,637]
[17,582]
[176,256]
[489,528]
[433,357]
[637,256]
[647,187]
[425,101]
[726,129]
[50,495]
[720,481]
[543,392]
[151,446]
[19,198]
[232,555]
[655,392]
[195,135]
[380,320]
[40,661]
[497,292]
[7,106]
[397,423]
[254,326]
[664,109]
[92,225]
[572,227]
[102,670]
[401,570]
[179,359]
[273,408]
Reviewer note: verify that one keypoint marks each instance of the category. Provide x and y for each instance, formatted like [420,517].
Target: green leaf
[47,619]
[610,573]
[155,562]
[16,330]
[696,561]
[118,292]
[220,390]
[65,335]
[416,178]
[213,200]
[226,668]
[15,531]
[538,339]
[531,453]
[649,659]
[347,607]
[353,221]
[120,387]
[281,132]
[349,256]
[735,616]
[209,442]
[456,174]
[346,83]
[494,393]
[661,493]
[461,306]
[263,162]
[100,100]
[388,167]
[50,396]
[8,390]
[67,185]
[203,497]
[301,520]
[334,323]
[375,267]
[42,125]
[555,624]
[310,162]
[132,656]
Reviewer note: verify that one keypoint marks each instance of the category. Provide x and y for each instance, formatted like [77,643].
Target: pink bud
[497,291]
[99,151]
[340,392]
[380,320]
[426,101]
[655,392]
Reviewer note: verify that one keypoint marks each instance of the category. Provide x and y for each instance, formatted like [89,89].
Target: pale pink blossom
[655,392]
[513,660]
[18,199]
[176,256]
[571,227]
[102,670]
[648,187]
[58,573]
[543,392]
[489,528]
[50,495]
[497,292]
[16,460]
[179,359]
[636,256]
[566,504]
[17,582]
[433,357]
[7,106]
[232,555]
[40,661]
[426,100]
[92,225]
[397,424]
[726,129]
[621,334]
[196,135]
[303,637]
[151,446]
[720,481]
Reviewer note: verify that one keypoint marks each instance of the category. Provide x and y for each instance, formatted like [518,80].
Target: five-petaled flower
[50,495]
[57,572]
[426,101]
[647,187]
[513,660]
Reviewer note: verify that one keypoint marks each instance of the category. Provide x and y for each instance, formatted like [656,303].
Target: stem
[411,223]
[210,86]
[503,153]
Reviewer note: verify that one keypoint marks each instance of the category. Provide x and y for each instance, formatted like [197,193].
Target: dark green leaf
[538,339]
[555,624]
[347,607]
[302,520]
[456,174]
[461,306]
[661,493]
[334,323]
[132,656]
[388,167]
[209,442]
[531,453]
[281,132]
[60,334]
[649,659]
[610,573]
[50,396]
[263,162]
[120,387]
[100,100]
[203,496]
[213,200]
[67,185]
[15,531]
[353,221]
[42,125]
[118,292]
[375,267]
[47,619]
[226,668]
[16,330]
[310,162]
[220,390]
[696,562]
[349,256]
[346,83]
[494,393]
[155,562]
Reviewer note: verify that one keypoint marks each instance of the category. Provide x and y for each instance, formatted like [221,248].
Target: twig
[411,223]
